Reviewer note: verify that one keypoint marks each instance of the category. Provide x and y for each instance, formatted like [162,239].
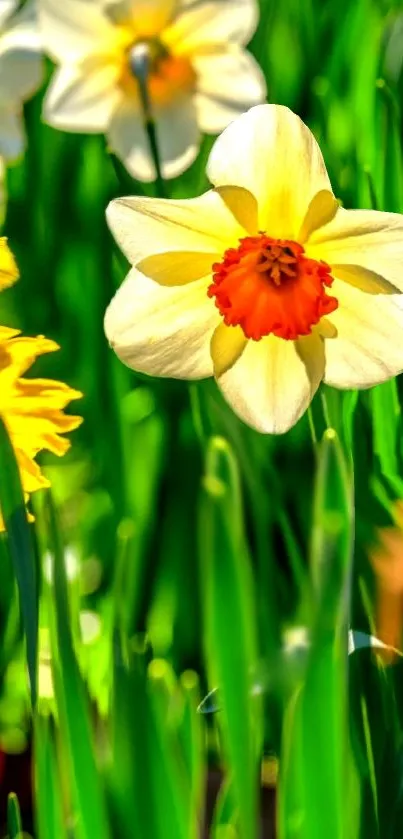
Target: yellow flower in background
[20,70]
[32,409]
[8,267]
[200,76]
[264,282]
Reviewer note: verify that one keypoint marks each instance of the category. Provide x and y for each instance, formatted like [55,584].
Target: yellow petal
[270,152]
[366,245]
[163,331]
[150,17]
[227,345]
[321,210]
[144,227]
[181,267]
[212,22]
[368,348]
[8,267]
[273,381]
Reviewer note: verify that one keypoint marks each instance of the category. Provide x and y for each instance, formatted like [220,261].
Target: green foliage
[181,554]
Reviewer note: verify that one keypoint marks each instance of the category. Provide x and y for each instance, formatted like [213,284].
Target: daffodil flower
[32,409]
[20,71]
[264,282]
[200,77]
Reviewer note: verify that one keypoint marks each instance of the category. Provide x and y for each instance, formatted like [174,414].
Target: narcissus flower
[264,282]
[32,409]
[200,77]
[20,70]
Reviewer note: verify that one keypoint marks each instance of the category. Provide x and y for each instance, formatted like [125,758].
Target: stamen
[268,286]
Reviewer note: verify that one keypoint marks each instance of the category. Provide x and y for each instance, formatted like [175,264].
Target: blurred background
[183,552]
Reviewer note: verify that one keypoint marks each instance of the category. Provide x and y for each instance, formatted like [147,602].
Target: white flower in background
[200,76]
[264,282]
[20,71]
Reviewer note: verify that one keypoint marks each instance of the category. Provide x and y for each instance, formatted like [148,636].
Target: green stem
[140,63]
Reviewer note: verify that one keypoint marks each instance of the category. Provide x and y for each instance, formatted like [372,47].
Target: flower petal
[82,98]
[178,139]
[368,348]
[213,22]
[270,152]
[12,139]
[366,244]
[7,7]
[152,16]
[8,267]
[162,331]
[228,83]
[272,383]
[73,29]
[144,227]
[227,345]
[21,66]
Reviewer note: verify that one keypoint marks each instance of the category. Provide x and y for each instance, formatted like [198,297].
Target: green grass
[200,546]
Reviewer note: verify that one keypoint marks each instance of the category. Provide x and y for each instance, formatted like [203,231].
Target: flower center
[268,286]
[169,77]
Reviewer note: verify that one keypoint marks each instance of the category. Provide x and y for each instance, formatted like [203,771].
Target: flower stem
[140,62]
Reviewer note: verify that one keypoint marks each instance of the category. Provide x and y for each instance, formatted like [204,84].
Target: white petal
[368,348]
[228,83]
[21,67]
[82,98]
[73,29]
[7,7]
[177,136]
[162,331]
[273,382]
[362,239]
[12,140]
[270,152]
[144,227]
[212,22]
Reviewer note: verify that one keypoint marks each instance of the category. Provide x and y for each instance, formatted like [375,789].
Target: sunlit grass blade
[14,824]
[47,780]
[72,703]
[230,626]
[171,781]
[318,765]
[191,735]
[12,506]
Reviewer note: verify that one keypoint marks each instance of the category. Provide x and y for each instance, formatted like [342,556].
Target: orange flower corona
[268,286]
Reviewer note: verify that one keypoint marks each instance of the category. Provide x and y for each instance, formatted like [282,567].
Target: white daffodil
[200,77]
[20,70]
[263,282]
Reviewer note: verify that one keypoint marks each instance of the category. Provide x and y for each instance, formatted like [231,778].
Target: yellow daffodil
[200,77]
[264,282]
[32,409]
[20,70]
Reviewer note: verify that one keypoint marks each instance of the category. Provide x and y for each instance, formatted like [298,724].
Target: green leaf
[230,625]
[72,701]
[47,775]
[14,825]
[316,761]
[12,506]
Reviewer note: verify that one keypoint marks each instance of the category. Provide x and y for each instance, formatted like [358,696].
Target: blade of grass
[14,824]
[72,702]
[12,505]
[315,799]
[48,799]
[230,625]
